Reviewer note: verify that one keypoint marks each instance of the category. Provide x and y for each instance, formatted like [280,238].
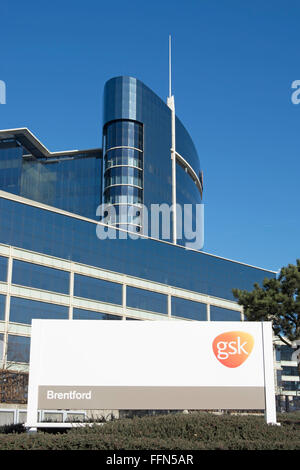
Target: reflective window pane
[123,175]
[40,277]
[72,183]
[3,268]
[25,310]
[123,156]
[146,300]
[123,133]
[97,289]
[188,309]
[2,307]
[223,314]
[18,348]
[1,346]
[80,314]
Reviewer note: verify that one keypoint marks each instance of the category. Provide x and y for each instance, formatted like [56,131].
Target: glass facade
[11,154]
[25,310]
[67,237]
[133,169]
[68,182]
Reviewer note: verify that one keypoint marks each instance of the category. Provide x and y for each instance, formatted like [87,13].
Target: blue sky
[233,66]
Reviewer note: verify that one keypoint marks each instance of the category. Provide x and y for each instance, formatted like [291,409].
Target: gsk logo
[233,348]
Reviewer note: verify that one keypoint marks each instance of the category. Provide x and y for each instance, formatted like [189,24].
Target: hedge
[169,432]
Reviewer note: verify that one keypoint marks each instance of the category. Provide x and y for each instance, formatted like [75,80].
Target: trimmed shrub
[203,431]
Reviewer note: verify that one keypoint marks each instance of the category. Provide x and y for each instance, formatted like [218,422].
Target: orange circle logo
[233,348]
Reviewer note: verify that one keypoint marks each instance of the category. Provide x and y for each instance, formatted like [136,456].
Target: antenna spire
[170,67]
[170,99]
[171,105]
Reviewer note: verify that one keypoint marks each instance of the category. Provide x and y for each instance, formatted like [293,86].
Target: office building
[53,264]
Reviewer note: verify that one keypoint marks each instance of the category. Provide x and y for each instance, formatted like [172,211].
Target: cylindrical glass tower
[123,173]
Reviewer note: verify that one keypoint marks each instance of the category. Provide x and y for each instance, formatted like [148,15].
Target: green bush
[169,432]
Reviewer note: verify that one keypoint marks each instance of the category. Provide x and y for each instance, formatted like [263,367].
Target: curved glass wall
[123,175]
[123,172]
[123,133]
[124,156]
[123,195]
[128,100]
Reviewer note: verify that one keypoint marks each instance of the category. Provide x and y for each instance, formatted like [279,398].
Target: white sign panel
[85,364]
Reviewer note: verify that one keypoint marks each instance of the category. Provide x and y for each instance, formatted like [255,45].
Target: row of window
[25,310]
[123,175]
[123,195]
[123,156]
[51,279]
[123,133]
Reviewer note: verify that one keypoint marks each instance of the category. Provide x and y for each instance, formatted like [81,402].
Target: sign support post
[267,339]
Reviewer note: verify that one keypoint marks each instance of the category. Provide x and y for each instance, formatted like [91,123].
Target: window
[97,289]
[285,353]
[188,309]
[123,156]
[3,268]
[223,314]
[123,133]
[80,314]
[18,348]
[25,310]
[123,175]
[1,346]
[2,307]
[40,277]
[146,300]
